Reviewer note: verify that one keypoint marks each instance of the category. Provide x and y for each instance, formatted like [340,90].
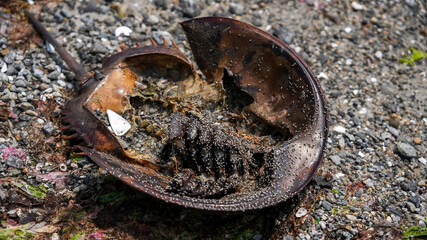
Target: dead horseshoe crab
[248,136]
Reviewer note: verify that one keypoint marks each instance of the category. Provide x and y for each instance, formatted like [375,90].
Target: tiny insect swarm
[248,135]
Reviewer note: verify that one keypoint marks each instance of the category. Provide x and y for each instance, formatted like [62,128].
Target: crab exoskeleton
[248,135]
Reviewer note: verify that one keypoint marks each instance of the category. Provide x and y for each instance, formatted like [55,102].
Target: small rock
[48,128]
[351,217]
[20,83]
[10,57]
[284,34]
[53,75]
[417,140]
[415,200]
[236,8]
[347,29]
[357,6]
[66,13]
[190,8]
[336,159]
[326,205]
[339,129]
[406,150]
[2,195]
[301,212]
[122,30]
[98,48]
[411,207]
[378,54]
[422,160]
[394,131]
[323,75]
[153,19]
[369,183]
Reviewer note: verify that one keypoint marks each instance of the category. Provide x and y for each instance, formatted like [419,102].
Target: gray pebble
[326,205]
[190,8]
[9,58]
[411,207]
[66,14]
[38,73]
[336,159]
[48,128]
[153,19]
[20,83]
[53,75]
[406,150]
[284,34]
[369,183]
[236,8]
[15,162]
[99,48]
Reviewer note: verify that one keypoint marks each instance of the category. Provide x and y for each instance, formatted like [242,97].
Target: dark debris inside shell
[206,149]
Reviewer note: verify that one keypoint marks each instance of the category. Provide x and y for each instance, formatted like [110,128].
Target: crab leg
[81,74]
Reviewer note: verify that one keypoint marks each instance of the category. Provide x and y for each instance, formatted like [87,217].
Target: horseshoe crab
[248,135]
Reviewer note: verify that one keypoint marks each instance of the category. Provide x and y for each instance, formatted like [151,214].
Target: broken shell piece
[118,124]
[122,30]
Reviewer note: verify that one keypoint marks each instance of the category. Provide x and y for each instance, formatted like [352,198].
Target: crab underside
[248,135]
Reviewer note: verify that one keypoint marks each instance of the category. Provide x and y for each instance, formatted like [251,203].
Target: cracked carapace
[248,135]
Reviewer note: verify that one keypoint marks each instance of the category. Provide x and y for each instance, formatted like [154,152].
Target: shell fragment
[118,124]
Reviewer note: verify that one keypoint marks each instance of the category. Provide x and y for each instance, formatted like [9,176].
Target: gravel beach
[369,57]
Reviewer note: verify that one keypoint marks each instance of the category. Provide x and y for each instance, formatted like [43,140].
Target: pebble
[122,30]
[411,207]
[48,128]
[379,54]
[66,14]
[326,205]
[422,160]
[99,48]
[153,19]
[417,140]
[285,34]
[351,217]
[369,183]
[236,8]
[339,129]
[301,212]
[357,6]
[190,8]
[336,159]
[323,75]
[347,29]
[406,150]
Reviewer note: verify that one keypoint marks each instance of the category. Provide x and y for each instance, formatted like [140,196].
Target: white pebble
[357,6]
[334,45]
[339,175]
[422,160]
[119,125]
[122,30]
[378,54]
[348,61]
[339,129]
[4,68]
[347,29]
[301,213]
[323,75]
[374,79]
[362,111]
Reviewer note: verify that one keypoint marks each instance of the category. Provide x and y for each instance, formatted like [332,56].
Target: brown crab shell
[286,95]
